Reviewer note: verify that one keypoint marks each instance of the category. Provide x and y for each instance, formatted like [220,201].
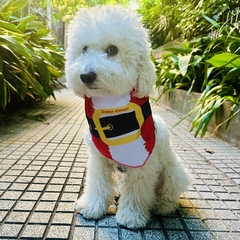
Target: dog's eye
[85,49]
[112,51]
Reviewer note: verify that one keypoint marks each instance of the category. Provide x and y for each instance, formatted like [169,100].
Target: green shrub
[168,20]
[30,64]
[161,18]
[210,65]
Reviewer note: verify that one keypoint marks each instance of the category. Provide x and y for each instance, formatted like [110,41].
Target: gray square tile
[10,230]
[177,235]
[62,218]
[107,233]
[81,221]
[172,223]
[201,235]
[40,217]
[154,235]
[195,224]
[83,233]
[58,231]
[128,234]
[108,221]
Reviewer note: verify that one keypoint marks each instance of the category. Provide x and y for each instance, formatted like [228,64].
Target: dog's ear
[146,78]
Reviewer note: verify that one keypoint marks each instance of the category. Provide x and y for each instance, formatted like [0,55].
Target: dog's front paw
[91,209]
[132,218]
[164,207]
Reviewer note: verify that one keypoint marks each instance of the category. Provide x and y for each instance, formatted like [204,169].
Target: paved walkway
[42,166]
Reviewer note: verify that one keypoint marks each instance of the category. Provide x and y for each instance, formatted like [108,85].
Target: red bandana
[122,128]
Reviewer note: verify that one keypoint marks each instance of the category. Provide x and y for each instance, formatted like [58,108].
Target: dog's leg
[137,197]
[173,179]
[172,182]
[98,191]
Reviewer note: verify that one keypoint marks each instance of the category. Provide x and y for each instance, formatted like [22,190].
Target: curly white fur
[158,184]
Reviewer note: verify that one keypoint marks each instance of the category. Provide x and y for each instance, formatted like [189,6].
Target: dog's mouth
[91,87]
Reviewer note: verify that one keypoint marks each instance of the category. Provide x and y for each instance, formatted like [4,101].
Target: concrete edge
[180,101]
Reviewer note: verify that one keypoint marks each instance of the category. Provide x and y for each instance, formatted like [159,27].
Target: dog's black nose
[88,78]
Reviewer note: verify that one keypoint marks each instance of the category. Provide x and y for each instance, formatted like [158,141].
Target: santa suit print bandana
[122,128]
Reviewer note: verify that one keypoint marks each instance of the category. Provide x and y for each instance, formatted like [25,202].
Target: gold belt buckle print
[130,107]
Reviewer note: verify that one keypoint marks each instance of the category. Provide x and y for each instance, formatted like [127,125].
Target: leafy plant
[218,91]
[160,17]
[172,19]
[30,63]
[183,67]
[192,23]
[207,65]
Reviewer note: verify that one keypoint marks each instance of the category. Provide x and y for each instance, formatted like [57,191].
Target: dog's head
[108,53]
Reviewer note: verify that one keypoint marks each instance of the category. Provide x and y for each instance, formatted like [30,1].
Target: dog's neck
[122,128]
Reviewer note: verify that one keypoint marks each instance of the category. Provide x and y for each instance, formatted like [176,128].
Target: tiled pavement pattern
[42,168]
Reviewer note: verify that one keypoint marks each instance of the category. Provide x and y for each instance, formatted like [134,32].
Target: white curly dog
[108,64]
